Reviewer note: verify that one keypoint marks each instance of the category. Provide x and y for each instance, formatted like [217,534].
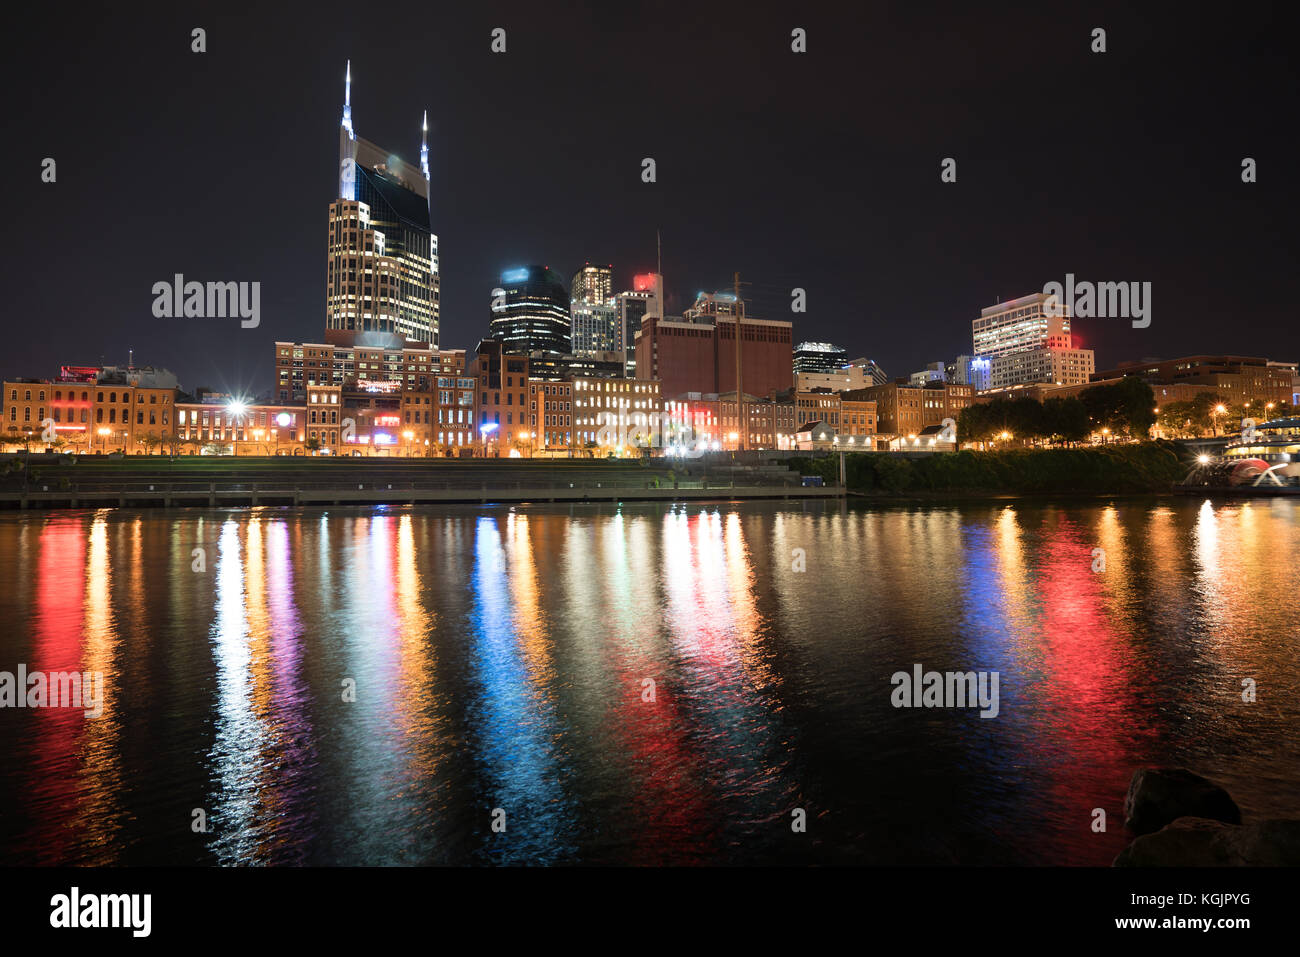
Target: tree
[1204,414]
[972,423]
[1136,404]
[1065,419]
[1026,420]
[1177,419]
[1126,407]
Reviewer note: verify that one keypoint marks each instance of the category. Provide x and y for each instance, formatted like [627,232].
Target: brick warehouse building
[697,351]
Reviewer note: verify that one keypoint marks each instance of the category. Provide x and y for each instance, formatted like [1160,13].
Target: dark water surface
[501,660]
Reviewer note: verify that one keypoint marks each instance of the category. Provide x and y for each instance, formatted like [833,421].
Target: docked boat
[1264,460]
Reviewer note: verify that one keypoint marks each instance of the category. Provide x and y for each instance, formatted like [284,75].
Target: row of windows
[57,415]
[85,396]
[496,398]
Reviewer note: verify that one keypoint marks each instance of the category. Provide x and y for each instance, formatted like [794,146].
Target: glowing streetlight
[485,432]
[1218,410]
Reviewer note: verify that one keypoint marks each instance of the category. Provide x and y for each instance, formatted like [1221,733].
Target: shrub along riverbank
[1149,467]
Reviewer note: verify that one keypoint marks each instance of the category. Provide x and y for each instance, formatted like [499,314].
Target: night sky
[818,170]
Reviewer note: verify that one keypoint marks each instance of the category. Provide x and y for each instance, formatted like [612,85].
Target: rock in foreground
[1201,842]
[1159,796]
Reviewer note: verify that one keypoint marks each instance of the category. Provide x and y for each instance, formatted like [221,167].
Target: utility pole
[740,404]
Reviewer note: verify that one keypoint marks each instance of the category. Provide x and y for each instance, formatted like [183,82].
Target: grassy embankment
[1149,467]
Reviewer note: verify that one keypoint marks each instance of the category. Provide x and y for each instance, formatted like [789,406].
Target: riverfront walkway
[52,481]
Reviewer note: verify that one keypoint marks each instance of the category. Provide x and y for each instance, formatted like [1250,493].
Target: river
[639,684]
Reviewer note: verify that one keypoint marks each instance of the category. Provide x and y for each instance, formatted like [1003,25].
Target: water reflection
[639,684]
[513,711]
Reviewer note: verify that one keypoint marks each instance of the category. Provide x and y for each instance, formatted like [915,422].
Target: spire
[347,101]
[424,147]
[347,144]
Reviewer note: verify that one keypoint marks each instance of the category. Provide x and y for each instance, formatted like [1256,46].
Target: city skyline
[672,436]
[895,263]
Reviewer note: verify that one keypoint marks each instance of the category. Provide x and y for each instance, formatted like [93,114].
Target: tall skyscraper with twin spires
[382,273]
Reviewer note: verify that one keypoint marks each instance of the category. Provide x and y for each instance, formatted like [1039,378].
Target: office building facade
[382,271]
[819,357]
[530,312]
[1028,341]
[633,305]
[697,352]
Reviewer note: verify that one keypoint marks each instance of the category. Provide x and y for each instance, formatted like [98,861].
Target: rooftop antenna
[740,395]
[659,272]
[347,143]
[347,99]
[424,147]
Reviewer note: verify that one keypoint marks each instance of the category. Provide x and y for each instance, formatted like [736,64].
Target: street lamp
[235,410]
[485,430]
